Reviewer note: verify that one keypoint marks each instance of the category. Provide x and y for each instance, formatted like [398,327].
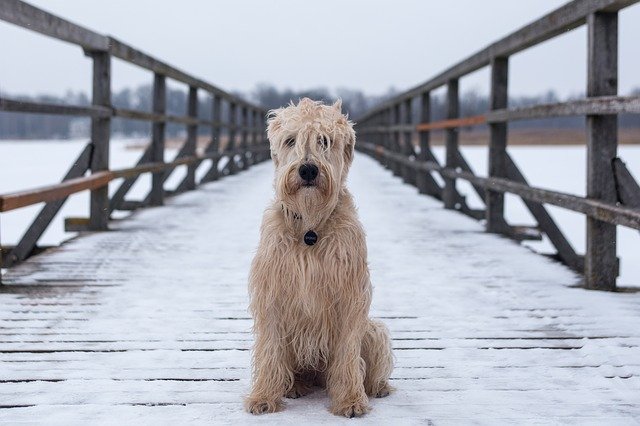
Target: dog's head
[312,148]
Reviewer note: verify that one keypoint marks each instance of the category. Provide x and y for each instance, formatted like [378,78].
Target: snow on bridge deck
[148,323]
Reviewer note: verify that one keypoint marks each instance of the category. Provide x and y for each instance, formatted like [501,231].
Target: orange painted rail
[453,123]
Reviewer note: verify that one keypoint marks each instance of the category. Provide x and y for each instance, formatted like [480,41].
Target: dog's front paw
[258,405]
[351,409]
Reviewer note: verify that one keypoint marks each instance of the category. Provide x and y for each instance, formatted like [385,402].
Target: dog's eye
[290,142]
[323,141]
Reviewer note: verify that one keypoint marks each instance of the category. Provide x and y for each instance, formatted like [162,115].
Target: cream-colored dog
[309,282]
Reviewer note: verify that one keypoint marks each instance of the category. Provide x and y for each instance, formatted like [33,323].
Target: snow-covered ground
[147,324]
[25,164]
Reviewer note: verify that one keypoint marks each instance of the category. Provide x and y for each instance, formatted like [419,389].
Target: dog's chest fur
[312,291]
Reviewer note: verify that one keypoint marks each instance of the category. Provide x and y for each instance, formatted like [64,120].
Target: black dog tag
[310,238]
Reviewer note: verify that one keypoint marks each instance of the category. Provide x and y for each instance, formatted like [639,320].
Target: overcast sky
[362,44]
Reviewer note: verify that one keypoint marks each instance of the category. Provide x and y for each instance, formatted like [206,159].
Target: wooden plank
[557,22]
[76,352]
[600,105]
[192,136]
[49,193]
[465,167]
[214,146]
[452,123]
[35,19]
[30,238]
[118,197]
[157,138]
[451,143]
[601,269]
[566,252]
[425,181]
[408,173]
[627,187]
[498,99]
[244,137]
[232,166]
[150,116]
[123,51]
[17,105]
[600,210]
[100,138]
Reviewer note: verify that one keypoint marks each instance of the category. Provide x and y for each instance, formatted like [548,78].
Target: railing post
[449,194]
[377,121]
[498,99]
[397,137]
[387,135]
[192,137]
[231,144]
[601,265]
[244,137]
[425,145]
[254,136]
[100,136]
[156,196]
[409,175]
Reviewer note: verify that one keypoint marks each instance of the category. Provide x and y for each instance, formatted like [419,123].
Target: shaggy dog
[309,282]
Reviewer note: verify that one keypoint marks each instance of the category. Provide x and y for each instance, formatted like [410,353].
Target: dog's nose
[308,172]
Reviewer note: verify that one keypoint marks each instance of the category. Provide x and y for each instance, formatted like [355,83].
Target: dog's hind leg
[302,385]
[378,358]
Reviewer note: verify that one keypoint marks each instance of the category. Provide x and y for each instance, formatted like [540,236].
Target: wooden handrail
[16,200]
[44,194]
[559,21]
[605,212]
[452,124]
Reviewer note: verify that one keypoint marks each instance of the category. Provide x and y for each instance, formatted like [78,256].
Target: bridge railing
[244,126]
[613,196]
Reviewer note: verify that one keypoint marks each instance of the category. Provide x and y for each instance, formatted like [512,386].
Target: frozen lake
[26,164]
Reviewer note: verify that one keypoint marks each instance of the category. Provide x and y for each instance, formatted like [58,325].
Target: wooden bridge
[144,319]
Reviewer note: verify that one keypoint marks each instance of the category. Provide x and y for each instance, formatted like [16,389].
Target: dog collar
[310,238]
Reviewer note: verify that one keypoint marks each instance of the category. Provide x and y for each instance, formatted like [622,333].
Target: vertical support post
[244,138]
[397,137]
[231,145]
[192,137]
[422,180]
[498,99]
[254,136]
[409,174]
[259,125]
[214,144]
[449,195]
[156,197]
[601,266]
[377,121]
[100,136]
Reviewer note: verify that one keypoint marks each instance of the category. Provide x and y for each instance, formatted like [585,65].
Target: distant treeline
[355,102]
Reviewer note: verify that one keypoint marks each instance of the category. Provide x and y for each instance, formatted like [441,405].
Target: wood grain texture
[601,267]
[498,99]
[100,138]
[557,22]
[449,194]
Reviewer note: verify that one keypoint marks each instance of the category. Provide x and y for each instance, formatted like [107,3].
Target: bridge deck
[149,322]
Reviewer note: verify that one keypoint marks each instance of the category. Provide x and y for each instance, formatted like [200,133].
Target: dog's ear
[274,124]
[337,105]
[349,143]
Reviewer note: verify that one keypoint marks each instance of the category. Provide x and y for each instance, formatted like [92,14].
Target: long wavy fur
[310,304]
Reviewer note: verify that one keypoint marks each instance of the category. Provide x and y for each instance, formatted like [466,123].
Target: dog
[309,281]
